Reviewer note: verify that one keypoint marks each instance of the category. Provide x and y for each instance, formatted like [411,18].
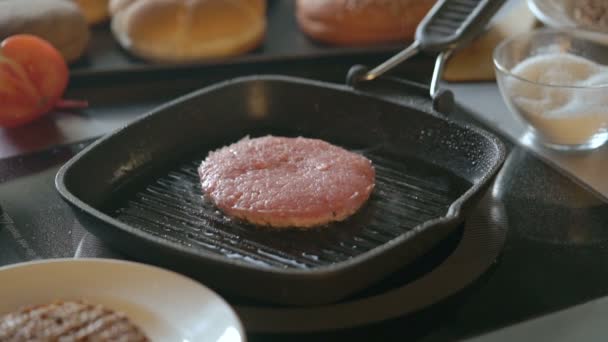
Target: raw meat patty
[287,182]
[68,321]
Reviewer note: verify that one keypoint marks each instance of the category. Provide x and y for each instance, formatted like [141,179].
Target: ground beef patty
[68,321]
[287,182]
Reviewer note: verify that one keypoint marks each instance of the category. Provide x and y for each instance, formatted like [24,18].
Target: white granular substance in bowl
[564,99]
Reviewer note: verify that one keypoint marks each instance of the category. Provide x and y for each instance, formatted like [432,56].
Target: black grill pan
[138,189]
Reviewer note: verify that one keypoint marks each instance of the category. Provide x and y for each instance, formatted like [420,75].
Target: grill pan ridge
[145,197]
[172,207]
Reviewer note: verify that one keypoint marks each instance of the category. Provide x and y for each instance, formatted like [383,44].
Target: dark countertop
[556,248]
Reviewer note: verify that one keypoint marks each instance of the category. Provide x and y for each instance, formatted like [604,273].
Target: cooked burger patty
[68,321]
[287,182]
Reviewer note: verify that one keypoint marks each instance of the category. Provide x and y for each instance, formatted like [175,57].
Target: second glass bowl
[559,114]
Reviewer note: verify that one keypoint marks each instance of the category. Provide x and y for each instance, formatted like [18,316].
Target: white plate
[553,13]
[165,305]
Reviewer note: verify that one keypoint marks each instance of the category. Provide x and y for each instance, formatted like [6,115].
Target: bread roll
[361,22]
[96,11]
[59,22]
[188,30]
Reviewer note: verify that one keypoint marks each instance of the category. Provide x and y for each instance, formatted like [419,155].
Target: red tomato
[33,77]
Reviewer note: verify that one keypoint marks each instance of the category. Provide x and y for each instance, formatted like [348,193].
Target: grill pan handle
[403,91]
[449,25]
[442,100]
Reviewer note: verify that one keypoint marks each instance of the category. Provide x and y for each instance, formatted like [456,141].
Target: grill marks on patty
[68,321]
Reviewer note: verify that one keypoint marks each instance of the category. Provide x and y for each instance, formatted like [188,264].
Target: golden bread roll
[361,22]
[188,30]
[117,5]
[96,11]
[59,22]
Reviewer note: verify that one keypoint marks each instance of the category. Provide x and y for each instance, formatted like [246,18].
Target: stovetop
[554,257]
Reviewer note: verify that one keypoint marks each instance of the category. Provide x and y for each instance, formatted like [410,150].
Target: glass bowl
[560,91]
[558,14]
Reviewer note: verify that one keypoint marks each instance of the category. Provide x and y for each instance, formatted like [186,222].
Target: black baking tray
[137,188]
[284,41]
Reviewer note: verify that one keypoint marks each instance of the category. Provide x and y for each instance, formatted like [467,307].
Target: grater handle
[446,27]
[392,62]
[454,23]
[443,100]
[440,61]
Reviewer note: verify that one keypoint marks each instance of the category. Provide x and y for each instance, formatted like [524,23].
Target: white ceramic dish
[167,306]
[554,14]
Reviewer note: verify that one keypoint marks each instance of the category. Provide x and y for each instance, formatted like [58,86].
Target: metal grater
[449,25]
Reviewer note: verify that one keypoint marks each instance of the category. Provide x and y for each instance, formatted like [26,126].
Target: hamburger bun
[59,22]
[188,30]
[361,22]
